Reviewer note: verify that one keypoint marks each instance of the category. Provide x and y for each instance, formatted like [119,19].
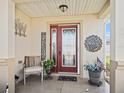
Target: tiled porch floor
[54,86]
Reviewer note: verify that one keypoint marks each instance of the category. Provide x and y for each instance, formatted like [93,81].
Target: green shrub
[48,64]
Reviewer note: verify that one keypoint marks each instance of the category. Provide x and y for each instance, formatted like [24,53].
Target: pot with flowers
[48,65]
[94,71]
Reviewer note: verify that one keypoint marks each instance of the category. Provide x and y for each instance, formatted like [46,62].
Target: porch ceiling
[41,8]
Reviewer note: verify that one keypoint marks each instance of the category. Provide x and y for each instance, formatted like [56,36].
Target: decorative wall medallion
[20,28]
[43,46]
[93,43]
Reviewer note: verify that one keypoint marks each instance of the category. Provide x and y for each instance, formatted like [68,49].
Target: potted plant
[48,65]
[94,71]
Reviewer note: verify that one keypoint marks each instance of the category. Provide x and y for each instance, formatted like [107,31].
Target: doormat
[67,78]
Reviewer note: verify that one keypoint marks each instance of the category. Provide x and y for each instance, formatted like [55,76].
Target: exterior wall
[89,25]
[22,44]
[93,27]
[31,45]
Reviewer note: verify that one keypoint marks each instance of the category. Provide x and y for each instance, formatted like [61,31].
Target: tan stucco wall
[22,44]
[89,25]
[31,45]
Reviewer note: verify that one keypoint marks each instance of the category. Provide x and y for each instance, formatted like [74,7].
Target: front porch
[54,86]
[21,27]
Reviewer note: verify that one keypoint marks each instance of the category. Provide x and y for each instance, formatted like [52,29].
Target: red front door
[63,48]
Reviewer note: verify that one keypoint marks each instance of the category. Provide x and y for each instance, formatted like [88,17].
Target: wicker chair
[33,65]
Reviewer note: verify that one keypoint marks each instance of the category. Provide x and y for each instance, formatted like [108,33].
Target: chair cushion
[33,69]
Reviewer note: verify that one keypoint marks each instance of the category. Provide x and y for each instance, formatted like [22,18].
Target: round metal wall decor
[93,43]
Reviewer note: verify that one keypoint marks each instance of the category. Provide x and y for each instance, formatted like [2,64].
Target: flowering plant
[96,67]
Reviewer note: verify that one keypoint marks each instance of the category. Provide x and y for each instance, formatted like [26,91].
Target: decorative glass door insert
[54,45]
[69,47]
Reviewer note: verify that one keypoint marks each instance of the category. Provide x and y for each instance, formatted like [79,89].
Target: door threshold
[72,73]
[66,74]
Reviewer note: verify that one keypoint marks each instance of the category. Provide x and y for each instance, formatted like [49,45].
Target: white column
[7,45]
[11,29]
[117,46]
[3,28]
[7,27]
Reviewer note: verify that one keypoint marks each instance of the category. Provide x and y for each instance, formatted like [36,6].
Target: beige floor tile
[34,85]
